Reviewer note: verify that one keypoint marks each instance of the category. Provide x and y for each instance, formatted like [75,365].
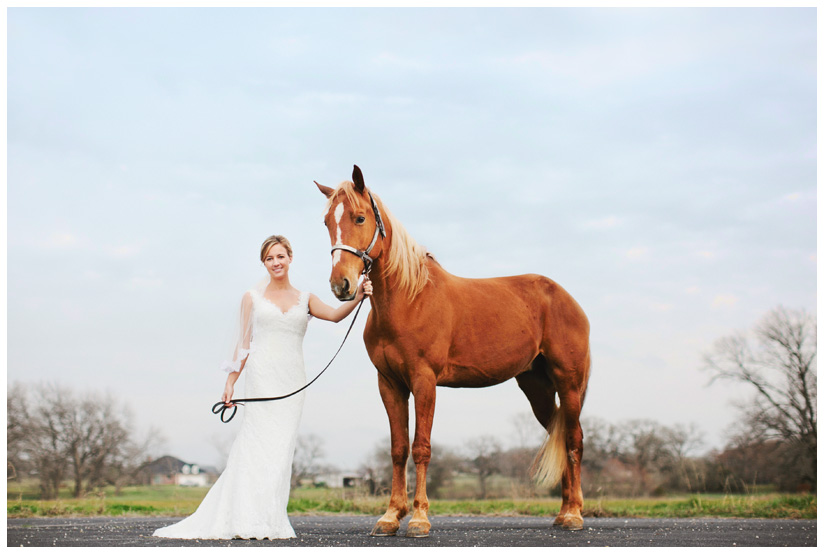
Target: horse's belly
[482,360]
[485,372]
[469,377]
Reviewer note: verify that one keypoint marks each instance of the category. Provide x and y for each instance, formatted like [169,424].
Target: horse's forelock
[346,188]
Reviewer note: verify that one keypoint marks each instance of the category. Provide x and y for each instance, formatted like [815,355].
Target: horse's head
[355,228]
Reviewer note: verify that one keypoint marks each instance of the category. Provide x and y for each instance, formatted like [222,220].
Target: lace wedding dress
[249,499]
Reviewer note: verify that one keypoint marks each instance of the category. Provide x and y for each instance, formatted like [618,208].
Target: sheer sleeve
[243,339]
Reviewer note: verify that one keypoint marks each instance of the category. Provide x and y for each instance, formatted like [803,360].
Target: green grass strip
[171,501]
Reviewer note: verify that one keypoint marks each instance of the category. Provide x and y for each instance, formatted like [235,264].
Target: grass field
[179,501]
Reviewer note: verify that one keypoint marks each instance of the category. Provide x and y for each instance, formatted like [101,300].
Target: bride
[249,499]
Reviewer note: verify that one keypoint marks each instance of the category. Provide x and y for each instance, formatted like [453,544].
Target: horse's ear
[326,190]
[358,179]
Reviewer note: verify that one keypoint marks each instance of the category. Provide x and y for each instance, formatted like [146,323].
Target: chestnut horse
[429,328]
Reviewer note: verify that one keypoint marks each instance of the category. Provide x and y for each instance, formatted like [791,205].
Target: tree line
[632,458]
[88,439]
[773,442]
[56,434]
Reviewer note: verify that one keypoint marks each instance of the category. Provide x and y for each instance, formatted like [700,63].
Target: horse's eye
[360,220]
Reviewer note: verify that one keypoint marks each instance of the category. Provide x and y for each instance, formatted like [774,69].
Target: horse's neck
[382,287]
[382,283]
[387,299]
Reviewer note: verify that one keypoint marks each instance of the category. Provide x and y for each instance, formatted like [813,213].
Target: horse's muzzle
[342,289]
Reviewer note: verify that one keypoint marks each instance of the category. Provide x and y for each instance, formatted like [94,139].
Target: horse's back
[534,292]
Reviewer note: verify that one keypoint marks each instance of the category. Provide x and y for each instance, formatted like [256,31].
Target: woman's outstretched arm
[323,311]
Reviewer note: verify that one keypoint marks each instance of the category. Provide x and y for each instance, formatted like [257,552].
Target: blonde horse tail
[551,459]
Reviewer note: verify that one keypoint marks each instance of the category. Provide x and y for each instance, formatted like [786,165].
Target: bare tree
[603,448]
[377,468]
[442,469]
[527,432]
[17,417]
[526,437]
[88,438]
[681,442]
[309,450]
[48,437]
[100,432]
[483,457]
[778,360]
[645,449]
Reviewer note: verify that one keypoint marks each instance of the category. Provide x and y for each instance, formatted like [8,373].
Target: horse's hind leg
[551,461]
[560,456]
[539,390]
[571,382]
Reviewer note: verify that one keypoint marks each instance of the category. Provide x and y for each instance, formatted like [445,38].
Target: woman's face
[277,261]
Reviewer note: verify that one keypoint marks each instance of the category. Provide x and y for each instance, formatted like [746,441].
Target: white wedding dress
[249,499]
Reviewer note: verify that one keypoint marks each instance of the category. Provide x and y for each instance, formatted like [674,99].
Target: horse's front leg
[423,389]
[396,402]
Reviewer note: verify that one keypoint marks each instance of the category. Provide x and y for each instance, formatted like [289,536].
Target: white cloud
[60,239]
[603,223]
[124,251]
[396,62]
[144,284]
[64,240]
[724,301]
[637,253]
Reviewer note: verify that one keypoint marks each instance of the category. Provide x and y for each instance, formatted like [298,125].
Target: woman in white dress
[249,499]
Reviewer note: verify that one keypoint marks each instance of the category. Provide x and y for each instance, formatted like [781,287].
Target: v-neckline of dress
[287,311]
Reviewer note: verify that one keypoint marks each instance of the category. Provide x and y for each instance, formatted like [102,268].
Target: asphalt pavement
[447,531]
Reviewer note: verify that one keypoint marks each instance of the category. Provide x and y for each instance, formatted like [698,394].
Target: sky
[660,164]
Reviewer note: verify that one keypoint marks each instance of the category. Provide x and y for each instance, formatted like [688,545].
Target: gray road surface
[484,531]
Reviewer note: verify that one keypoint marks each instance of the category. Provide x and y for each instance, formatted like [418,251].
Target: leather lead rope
[221,408]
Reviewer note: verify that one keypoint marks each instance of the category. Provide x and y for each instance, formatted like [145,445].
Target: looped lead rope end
[221,408]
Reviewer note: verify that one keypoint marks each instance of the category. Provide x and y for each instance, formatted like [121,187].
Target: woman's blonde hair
[275,240]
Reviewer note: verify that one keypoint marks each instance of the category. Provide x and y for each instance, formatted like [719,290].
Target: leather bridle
[364,255]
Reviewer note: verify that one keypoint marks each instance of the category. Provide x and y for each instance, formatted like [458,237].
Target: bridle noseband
[365,254]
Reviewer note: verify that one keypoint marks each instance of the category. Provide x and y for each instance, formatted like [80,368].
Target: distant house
[168,470]
[339,480]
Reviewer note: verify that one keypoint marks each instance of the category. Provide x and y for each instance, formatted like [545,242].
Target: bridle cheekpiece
[364,255]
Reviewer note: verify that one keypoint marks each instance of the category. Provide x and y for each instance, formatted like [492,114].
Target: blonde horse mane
[406,260]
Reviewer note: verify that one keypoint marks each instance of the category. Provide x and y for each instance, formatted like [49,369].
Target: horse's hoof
[573,523]
[418,530]
[384,529]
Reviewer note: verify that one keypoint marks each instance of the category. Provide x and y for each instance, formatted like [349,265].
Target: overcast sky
[660,164]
